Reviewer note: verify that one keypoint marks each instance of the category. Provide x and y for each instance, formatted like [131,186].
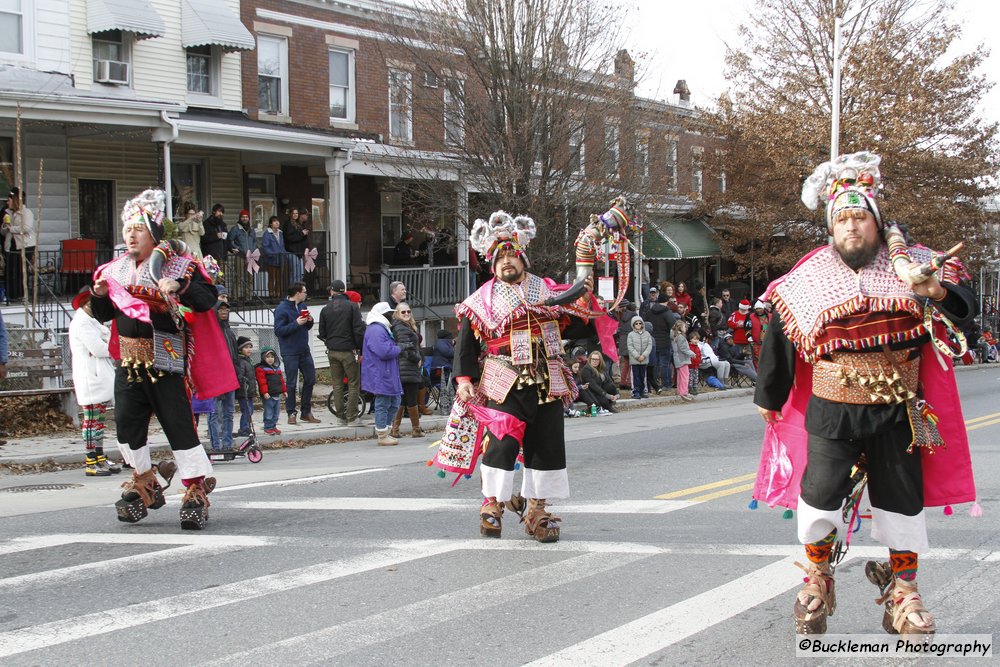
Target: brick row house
[274,104]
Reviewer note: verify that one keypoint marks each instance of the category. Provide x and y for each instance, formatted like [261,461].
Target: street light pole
[838,24]
[835,120]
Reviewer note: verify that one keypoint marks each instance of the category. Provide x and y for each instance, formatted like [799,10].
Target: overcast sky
[686,40]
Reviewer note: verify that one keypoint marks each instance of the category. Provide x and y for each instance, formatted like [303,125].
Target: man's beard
[860,257]
[511,278]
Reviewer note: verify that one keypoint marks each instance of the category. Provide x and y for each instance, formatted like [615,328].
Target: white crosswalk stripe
[621,645]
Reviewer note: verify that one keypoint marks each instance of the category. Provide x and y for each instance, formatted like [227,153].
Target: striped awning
[135,16]
[214,23]
[675,238]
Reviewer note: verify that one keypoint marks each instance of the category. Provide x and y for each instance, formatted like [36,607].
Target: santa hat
[849,182]
[502,234]
[147,208]
[744,305]
[759,304]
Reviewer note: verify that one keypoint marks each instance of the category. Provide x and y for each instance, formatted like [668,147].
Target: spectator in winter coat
[740,324]
[647,303]
[380,370]
[729,305]
[640,345]
[292,322]
[662,319]
[343,331]
[220,426]
[652,366]
[699,305]
[759,319]
[682,358]
[709,359]
[272,246]
[739,360]
[93,381]
[683,296]
[191,227]
[584,394]
[716,320]
[213,242]
[248,384]
[271,383]
[404,330]
[444,350]
[598,381]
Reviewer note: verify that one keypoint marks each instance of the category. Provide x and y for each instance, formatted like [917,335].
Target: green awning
[674,238]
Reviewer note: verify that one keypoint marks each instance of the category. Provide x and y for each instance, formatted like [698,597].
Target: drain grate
[40,487]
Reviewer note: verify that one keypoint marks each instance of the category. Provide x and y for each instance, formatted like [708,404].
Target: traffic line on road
[983,418]
[654,632]
[298,480]
[114,566]
[711,485]
[453,504]
[60,632]
[463,604]
[983,425]
[58,539]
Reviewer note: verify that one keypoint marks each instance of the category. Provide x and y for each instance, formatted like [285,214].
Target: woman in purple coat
[380,370]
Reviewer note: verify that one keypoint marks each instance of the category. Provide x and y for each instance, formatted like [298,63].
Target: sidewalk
[67,449]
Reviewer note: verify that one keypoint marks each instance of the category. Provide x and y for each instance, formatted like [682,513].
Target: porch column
[462,233]
[336,195]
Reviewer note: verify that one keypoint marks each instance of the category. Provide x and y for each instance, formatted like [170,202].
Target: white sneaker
[601,412]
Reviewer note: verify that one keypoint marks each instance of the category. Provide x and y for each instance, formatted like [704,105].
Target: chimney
[683,93]
[624,66]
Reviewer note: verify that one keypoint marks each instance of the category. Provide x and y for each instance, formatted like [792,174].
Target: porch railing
[429,286]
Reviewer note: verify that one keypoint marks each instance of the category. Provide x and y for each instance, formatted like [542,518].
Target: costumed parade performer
[856,385]
[514,325]
[161,301]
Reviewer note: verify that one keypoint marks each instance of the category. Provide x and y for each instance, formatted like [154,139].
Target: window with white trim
[577,149]
[112,57]
[272,75]
[642,156]
[201,70]
[400,105]
[671,165]
[12,17]
[697,161]
[342,98]
[611,149]
[454,112]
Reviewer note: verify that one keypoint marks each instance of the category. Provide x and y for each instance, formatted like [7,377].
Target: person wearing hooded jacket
[271,383]
[640,346]
[380,370]
[93,381]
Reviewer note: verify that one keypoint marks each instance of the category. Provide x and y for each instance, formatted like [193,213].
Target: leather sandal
[903,600]
[517,504]
[489,518]
[819,585]
[540,523]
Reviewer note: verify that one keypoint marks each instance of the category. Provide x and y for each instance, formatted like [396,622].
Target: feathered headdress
[502,232]
[148,208]
[850,181]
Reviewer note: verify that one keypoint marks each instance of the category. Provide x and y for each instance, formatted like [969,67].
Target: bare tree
[536,105]
[904,98]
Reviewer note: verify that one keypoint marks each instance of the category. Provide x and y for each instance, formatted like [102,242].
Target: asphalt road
[350,554]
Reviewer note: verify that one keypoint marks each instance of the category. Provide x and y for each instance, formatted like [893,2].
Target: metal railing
[430,286]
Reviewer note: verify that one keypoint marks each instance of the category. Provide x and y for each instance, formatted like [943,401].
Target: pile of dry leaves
[27,416]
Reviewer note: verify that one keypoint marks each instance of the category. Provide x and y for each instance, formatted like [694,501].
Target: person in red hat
[740,324]
[93,381]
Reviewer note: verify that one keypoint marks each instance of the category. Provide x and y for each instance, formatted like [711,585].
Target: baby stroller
[248,448]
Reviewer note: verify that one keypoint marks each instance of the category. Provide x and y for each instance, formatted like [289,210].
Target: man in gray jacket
[343,331]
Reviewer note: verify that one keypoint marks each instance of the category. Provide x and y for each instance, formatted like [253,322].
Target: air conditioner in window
[112,71]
